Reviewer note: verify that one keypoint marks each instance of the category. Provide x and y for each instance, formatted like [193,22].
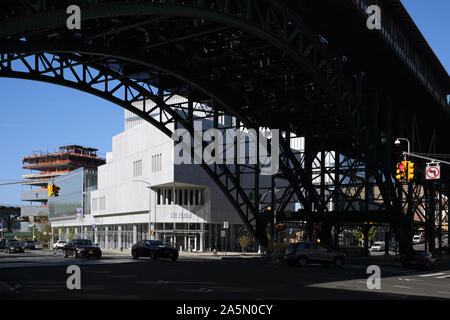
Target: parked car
[377,246]
[393,245]
[154,249]
[29,244]
[59,244]
[303,253]
[417,239]
[38,246]
[15,246]
[81,248]
[418,259]
[2,243]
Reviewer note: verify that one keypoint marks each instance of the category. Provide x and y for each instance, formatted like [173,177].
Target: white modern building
[142,194]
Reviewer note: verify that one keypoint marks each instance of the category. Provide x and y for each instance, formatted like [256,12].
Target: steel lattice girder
[290,46]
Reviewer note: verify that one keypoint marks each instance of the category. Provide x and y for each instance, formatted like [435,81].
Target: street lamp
[398,142]
[152,236]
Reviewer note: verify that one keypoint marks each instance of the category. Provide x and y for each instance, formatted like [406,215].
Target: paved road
[119,277]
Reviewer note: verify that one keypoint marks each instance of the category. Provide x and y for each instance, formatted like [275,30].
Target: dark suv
[303,253]
[81,248]
[29,244]
[154,249]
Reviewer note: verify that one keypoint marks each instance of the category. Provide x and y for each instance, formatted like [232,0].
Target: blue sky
[39,116]
[432,18]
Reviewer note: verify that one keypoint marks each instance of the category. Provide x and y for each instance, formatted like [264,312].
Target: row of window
[137,168]
[156,165]
[98,203]
[182,196]
[164,197]
[157,162]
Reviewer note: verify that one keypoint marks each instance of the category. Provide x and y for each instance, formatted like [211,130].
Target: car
[59,244]
[377,246]
[2,243]
[303,253]
[417,239]
[29,244]
[418,259]
[393,245]
[81,248]
[154,249]
[14,246]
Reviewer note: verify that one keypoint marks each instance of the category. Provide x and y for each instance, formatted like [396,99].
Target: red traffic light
[401,166]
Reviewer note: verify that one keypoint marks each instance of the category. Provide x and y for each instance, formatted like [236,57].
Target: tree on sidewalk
[244,241]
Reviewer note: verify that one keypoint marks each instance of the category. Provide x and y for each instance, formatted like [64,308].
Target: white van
[417,239]
[377,246]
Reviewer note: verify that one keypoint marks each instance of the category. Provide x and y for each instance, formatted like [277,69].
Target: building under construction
[45,166]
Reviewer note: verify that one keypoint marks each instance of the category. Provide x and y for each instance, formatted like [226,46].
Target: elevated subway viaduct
[309,68]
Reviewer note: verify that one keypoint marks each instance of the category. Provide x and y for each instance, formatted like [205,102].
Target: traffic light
[269,208]
[55,190]
[50,190]
[401,171]
[410,171]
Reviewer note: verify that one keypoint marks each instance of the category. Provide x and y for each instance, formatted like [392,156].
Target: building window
[180,197]
[202,196]
[102,203]
[137,168]
[158,200]
[157,162]
[169,196]
[164,196]
[94,204]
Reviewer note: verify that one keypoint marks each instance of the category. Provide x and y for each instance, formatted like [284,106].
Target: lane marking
[443,277]
[432,274]
[7,286]
[443,292]
[402,287]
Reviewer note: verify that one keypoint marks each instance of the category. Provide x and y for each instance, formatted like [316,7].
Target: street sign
[222,233]
[317,226]
[225,225]
[433,171]
[93,226]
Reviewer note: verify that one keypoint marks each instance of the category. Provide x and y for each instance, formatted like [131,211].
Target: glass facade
[74,193]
